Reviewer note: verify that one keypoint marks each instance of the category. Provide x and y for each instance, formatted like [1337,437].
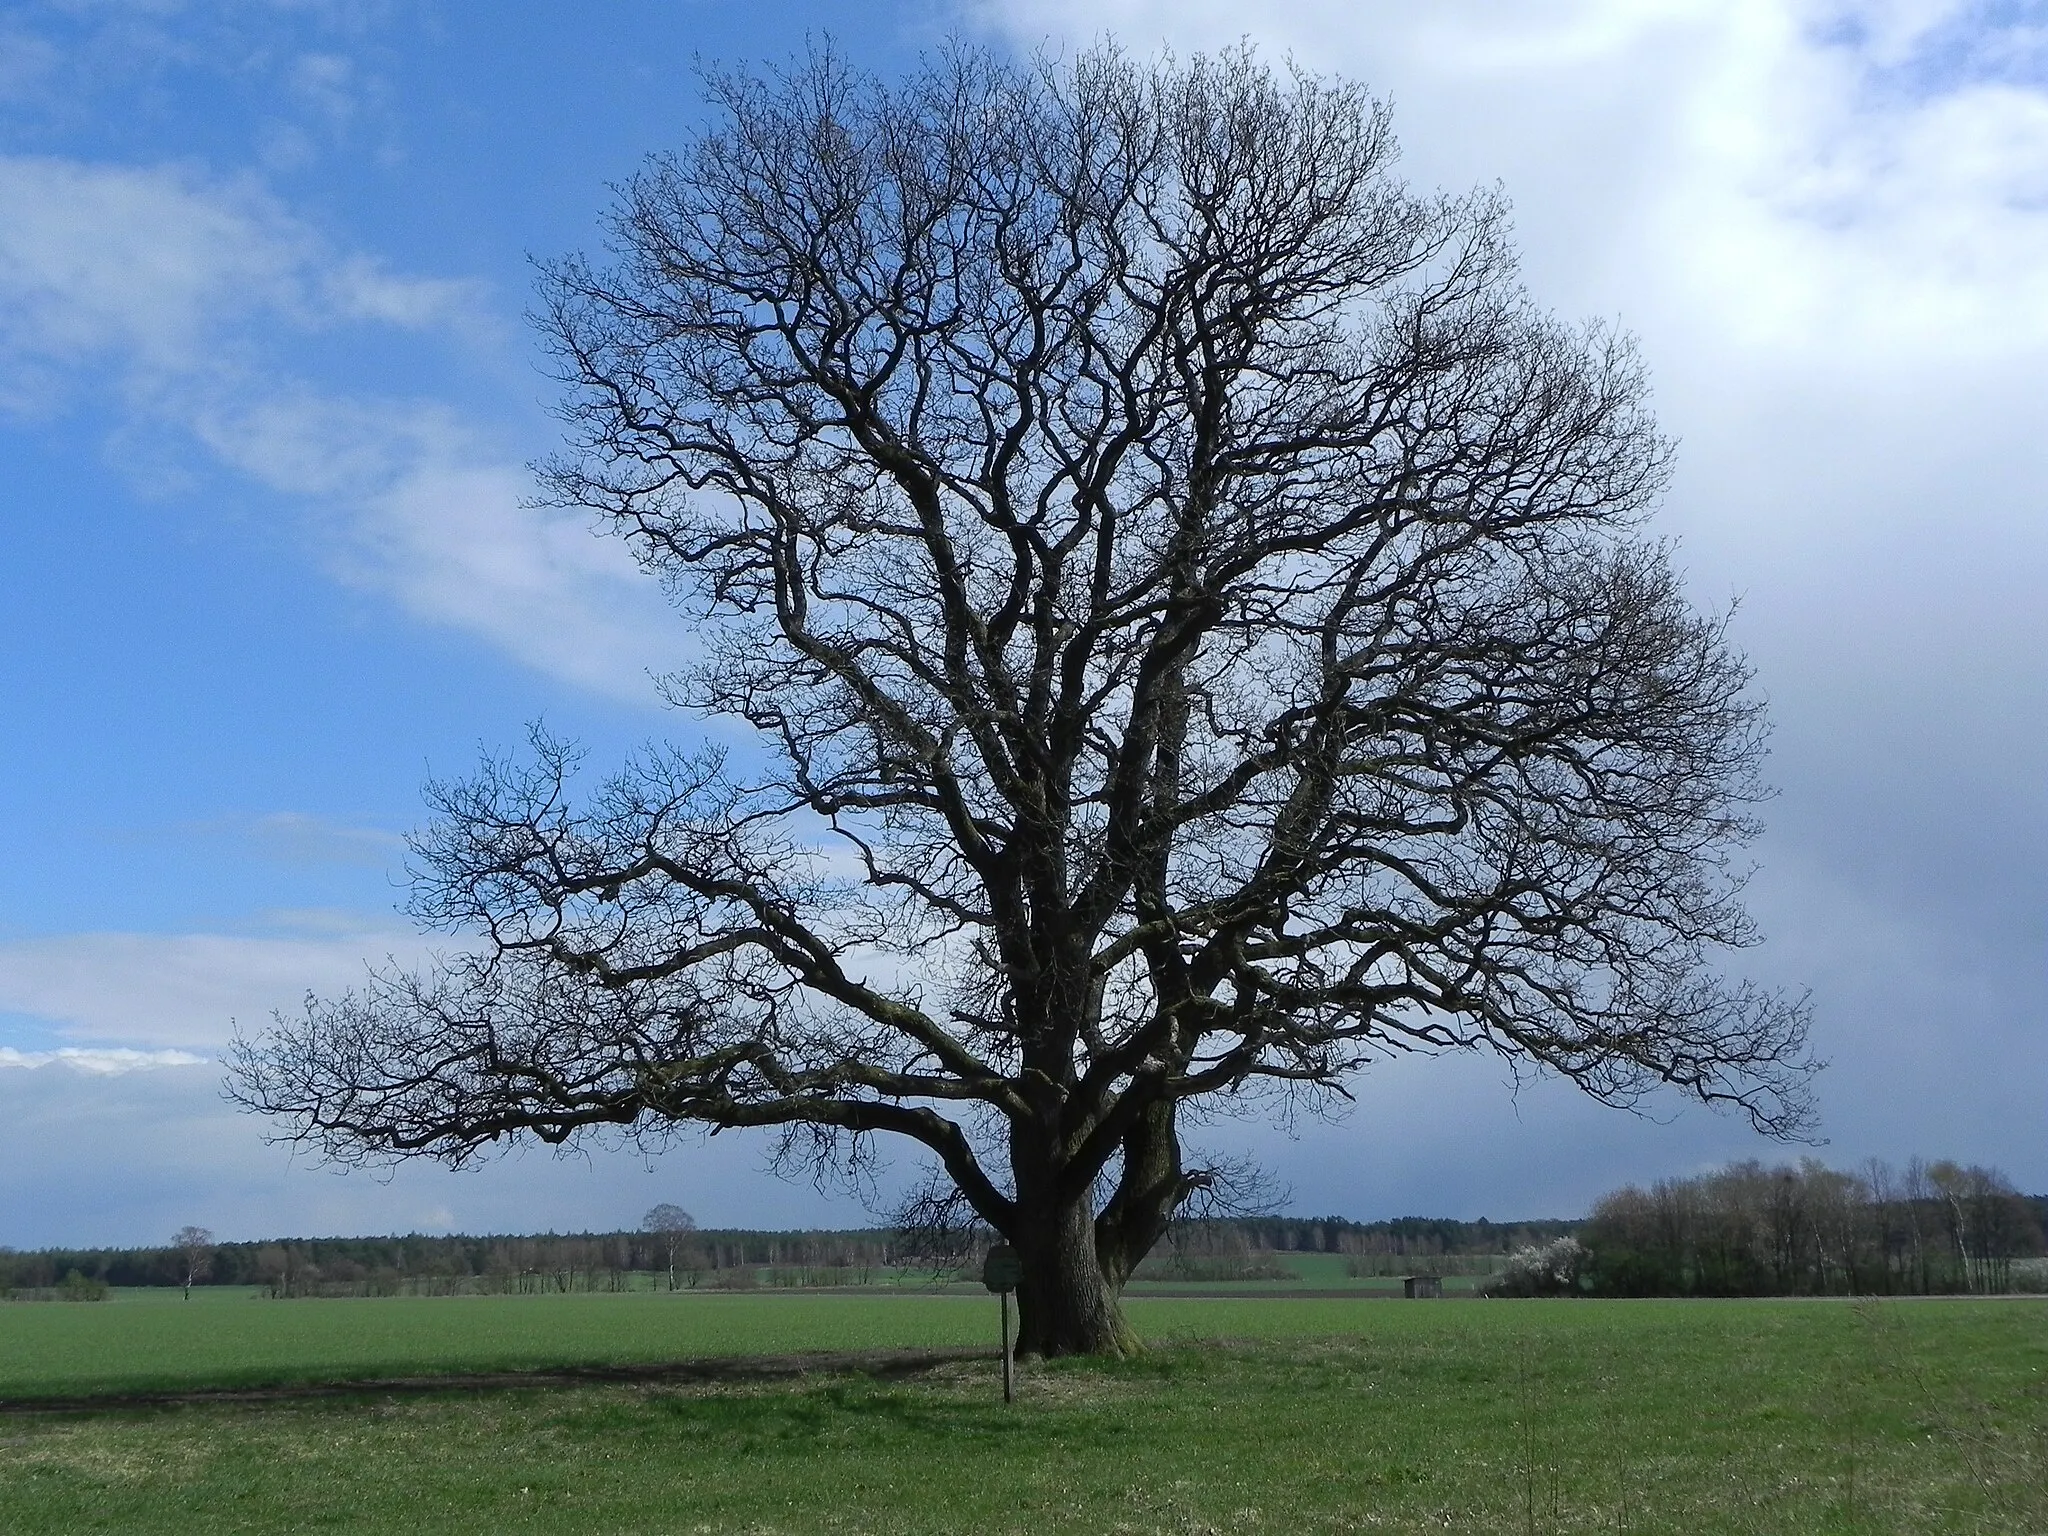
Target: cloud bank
[101,1061]
[1828,223]
[163,994]
[93,1159]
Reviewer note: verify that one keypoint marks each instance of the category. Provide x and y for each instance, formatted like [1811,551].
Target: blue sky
[266,395]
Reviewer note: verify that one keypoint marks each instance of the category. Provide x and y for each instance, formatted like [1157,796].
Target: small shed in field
[1420,1287]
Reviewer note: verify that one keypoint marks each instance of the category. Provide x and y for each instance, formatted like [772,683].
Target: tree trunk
[1075,1262]
[1065,1304]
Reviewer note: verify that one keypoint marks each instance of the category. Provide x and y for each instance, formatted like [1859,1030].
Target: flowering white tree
[1541,1269]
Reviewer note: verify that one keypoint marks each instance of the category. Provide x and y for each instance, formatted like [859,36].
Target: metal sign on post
[1000,1272]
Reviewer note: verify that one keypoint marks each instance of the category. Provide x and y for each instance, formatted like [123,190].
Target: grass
[151,1342]
[1245,1416]
[58,1348]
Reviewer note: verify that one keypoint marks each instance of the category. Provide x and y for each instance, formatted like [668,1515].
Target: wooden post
[1000,1272]
[1009,1385]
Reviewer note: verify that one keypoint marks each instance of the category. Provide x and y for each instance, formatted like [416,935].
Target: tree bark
[1066,1305]
[1150,1191]
[1076,1262]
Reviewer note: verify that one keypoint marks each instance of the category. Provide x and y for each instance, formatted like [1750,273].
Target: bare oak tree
[1191,616]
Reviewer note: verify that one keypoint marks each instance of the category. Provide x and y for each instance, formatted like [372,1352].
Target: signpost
[1000,1272]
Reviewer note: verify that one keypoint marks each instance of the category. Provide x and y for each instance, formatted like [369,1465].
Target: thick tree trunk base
[1065,1304]
[1107,1334]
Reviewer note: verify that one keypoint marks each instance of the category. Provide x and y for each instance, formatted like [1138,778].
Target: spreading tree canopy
[1175,629]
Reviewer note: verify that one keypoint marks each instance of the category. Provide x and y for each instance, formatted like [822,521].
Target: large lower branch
[931,1129]
[1151,1189]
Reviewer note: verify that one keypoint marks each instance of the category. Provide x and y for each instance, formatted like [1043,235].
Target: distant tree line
[421,1264]
[1746,1230]
[1399,1237]
[426,1265]
[1232,1248]
[1809,1230]
[1244,1248]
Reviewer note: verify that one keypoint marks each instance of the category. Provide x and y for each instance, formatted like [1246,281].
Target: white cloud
[287,837]
[103,1061]
[458,541]
[297,838]
[160,269]
[433,519]
[1812,172]
[1813,210]
[97,260]
[182,296]
[327,84]
[156,991]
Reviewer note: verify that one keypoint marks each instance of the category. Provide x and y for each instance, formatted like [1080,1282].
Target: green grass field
[1245,1416]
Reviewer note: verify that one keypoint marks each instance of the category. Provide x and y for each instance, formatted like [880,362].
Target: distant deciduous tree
[670,1221]
[195,1253]
[1541,1269]
[1989,1224]
[1191,610]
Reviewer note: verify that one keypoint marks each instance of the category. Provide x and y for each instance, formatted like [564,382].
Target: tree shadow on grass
[742,1370]
[804,1415]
